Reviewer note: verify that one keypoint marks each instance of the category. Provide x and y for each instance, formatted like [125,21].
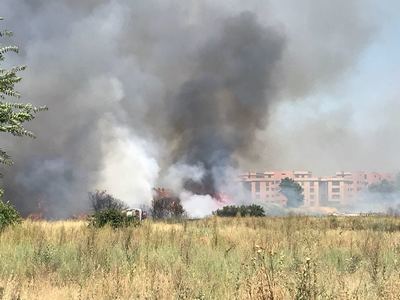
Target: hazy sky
[354,124]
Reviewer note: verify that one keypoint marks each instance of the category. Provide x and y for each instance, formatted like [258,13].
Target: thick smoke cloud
[139,89]
[218,111]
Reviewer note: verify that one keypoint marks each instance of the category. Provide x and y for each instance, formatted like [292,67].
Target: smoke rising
[141,90]
[368,202]
[217,112]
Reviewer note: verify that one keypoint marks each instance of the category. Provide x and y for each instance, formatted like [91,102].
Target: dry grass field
[215,258]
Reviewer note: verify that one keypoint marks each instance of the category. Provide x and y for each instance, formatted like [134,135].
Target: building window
[311,190]
[257,186]
[335,183]
[335,190]
[312,197]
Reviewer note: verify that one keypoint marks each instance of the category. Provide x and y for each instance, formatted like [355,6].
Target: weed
[214,258]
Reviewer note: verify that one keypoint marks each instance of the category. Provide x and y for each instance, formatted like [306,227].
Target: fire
[41,210]
[222,198]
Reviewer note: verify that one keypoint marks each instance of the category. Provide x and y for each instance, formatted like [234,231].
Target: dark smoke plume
[217,112]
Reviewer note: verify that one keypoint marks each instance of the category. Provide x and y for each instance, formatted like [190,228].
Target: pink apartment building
[335,190]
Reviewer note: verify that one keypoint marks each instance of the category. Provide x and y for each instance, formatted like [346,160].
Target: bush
[100,200]
[8,215]
[112,217]
[167,207]
[227,211]
[252,210]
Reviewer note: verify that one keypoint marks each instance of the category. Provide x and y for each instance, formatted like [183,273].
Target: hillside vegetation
[215,258]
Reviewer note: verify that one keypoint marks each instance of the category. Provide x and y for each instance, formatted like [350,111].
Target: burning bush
[8,215]
[167,207]
[252,210]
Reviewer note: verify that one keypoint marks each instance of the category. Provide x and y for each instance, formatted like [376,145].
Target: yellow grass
[215,258]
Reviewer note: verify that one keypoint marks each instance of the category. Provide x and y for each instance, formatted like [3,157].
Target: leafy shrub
[112,217]
[8,215]
[227,211]
[252,210]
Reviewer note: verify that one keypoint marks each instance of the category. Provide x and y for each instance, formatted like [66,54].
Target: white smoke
[377,202]
[129,169]
[198,206]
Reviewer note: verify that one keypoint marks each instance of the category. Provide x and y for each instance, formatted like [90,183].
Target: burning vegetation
[166,204]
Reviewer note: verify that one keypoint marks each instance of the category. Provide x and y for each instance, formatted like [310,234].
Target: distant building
[318,191]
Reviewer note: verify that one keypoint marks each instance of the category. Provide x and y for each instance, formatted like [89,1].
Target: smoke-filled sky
[141,93]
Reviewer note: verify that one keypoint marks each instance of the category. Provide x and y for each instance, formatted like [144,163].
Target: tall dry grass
[215,258]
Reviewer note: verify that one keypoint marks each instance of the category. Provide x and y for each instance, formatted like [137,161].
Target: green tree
[292,191]
[12,115]
[383,187]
